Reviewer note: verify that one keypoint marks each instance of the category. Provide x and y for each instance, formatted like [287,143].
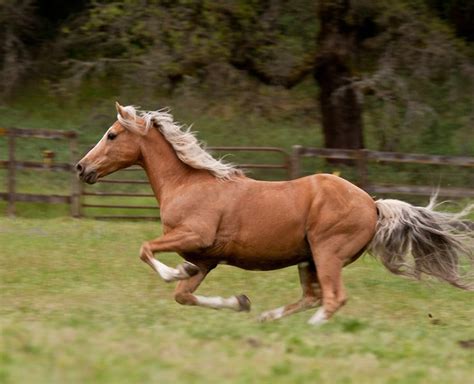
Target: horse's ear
[120,110]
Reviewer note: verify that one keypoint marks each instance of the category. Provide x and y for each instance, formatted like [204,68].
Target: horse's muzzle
[86,175]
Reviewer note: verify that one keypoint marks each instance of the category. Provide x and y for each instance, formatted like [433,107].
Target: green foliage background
[412,62]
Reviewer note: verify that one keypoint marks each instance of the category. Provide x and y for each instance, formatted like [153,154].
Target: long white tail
[436,241]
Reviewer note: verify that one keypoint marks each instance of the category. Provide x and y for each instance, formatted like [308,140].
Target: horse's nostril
[79,167]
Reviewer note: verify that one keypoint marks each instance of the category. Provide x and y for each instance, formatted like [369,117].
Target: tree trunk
[340,108]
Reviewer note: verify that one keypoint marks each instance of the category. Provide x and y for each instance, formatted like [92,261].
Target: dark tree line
[353,49]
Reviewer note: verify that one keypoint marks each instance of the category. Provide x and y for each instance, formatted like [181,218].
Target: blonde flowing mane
[187,147]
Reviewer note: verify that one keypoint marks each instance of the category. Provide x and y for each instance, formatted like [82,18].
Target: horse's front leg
[174,241]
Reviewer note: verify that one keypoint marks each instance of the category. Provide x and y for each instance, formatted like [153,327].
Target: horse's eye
[111,136]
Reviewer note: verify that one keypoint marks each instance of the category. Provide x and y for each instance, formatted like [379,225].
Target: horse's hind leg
[311,295]
[330,256]
[185,288]
[333,291]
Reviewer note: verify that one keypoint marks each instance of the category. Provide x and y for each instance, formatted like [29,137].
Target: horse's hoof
[319,318]
[274,314]
[189,269]
[244,303]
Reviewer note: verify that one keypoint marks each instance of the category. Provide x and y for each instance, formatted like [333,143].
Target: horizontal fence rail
[389,157]
[33,198]
[37,165]
[363,158]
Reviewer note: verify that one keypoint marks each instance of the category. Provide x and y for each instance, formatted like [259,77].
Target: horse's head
[119,148]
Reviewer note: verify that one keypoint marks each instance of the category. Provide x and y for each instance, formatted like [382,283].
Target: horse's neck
[164,169]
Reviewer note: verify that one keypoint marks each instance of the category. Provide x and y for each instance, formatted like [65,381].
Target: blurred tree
[458,12]
[394,58]
[52,13]
[17,25]
[341,108]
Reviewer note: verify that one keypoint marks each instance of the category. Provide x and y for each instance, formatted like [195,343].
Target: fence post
[361,164]
[295,168]
[11,178]
[76,189]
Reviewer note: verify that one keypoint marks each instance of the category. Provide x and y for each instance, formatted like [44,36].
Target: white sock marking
[218,302]
[274,314]
[319,317]
[167,273]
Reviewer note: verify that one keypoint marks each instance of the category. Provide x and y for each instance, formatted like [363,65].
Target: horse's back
[295,205]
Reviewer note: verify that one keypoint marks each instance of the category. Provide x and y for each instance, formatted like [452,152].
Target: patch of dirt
[468,344]
[435,321]
[254,342]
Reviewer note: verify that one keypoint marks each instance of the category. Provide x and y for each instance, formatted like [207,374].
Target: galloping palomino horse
[213,214]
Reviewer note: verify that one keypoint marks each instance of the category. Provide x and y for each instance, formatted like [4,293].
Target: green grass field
[77,306]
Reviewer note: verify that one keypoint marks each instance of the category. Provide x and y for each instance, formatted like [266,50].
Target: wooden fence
[116,179]
[12,165]
[290,165]
[363,158]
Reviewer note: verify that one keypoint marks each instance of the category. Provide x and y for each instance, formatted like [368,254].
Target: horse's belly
[263,255]
[267,240]
[265,263]
[256,257]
